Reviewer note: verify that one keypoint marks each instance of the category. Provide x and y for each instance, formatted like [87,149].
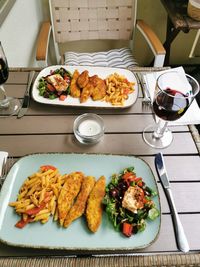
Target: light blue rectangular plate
[77,238]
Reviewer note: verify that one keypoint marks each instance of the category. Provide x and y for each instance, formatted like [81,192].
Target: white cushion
[119,58]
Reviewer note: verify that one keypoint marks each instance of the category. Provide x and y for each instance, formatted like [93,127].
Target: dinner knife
[26,100]
[181,239]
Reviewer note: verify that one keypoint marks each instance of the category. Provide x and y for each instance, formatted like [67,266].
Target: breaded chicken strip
[74,89]
[98,90]
[83,79]
[94,204]
[86,92]
[68,193]
[79,206]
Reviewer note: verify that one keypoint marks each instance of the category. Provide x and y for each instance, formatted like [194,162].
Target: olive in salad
[55,85]
[128,202]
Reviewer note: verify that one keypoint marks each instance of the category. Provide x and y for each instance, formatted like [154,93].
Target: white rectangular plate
[77,238]
[102,72]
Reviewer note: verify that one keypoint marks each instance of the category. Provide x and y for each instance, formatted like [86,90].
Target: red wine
[3,71]
[170,104]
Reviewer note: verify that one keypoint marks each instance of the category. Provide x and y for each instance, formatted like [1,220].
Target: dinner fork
[6,166]
[146,101]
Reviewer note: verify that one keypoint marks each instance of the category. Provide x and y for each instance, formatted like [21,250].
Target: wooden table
[49,129]
[177,20]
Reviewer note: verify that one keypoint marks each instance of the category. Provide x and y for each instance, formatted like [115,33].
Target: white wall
[19,31]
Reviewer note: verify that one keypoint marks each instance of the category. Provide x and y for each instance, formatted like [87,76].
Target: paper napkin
[192,115]
[3,155]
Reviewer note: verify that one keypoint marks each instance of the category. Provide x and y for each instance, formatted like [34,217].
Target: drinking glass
[8,105]
[88,128]
[173,95]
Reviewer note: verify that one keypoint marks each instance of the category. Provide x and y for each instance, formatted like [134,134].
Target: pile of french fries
[37,198]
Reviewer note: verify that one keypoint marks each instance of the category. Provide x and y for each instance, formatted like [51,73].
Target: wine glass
[173,95]
[8,105]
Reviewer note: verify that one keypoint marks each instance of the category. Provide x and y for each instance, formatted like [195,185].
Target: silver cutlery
[26,100]
[146,100]
[3,171]
[181,239]
[3,156]
[6,166]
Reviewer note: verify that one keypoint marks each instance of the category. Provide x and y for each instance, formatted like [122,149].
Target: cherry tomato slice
[62,97]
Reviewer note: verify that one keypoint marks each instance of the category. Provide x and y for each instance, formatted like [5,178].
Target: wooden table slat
[179,168]
[185,195]
[64,124]
[112,143]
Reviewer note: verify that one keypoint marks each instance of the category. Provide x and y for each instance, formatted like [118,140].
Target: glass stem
[4,101]
[160,129]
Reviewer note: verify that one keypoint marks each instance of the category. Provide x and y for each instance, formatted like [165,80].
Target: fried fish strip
[83,79]
[98,90]
[86,92]
[74,89]
[79,206]
[68,193]
[94,204]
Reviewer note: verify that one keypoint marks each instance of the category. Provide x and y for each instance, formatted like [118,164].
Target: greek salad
[55,85]
[129,202]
